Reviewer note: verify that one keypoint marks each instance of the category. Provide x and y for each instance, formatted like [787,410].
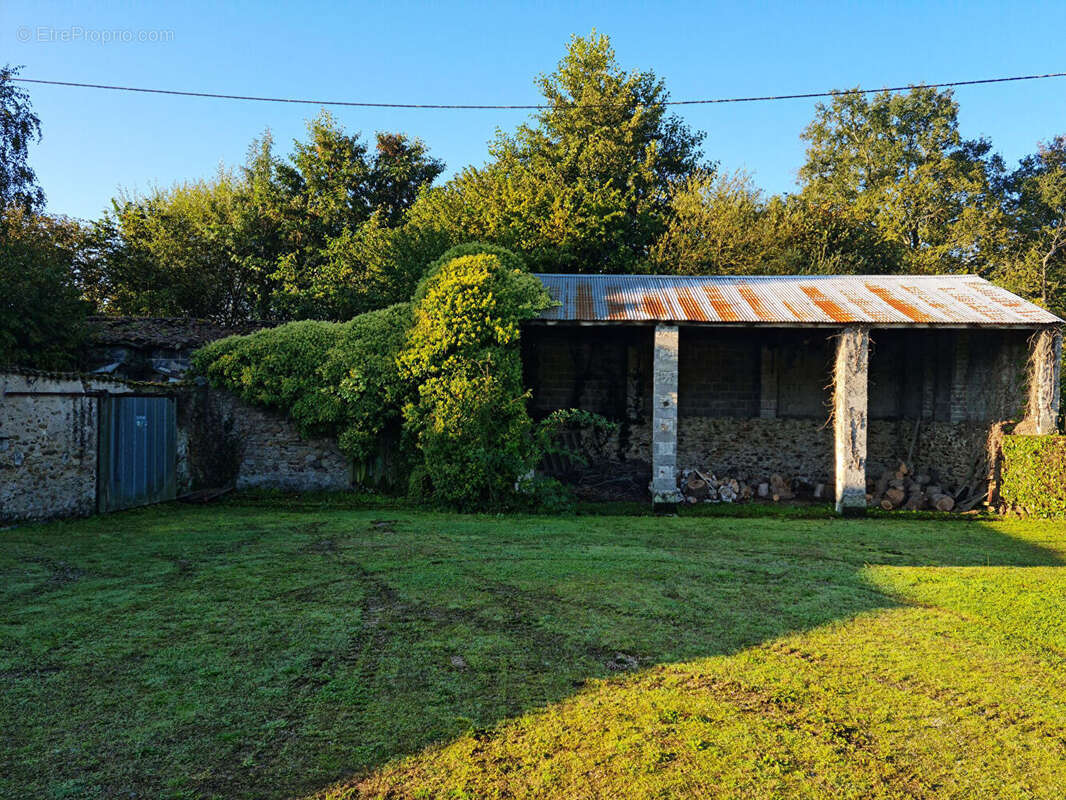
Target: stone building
[829,377]
[62,455]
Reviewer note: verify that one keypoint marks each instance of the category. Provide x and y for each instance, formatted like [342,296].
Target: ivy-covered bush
[1034,475]
[277,368]
[469,419]
[361,377]
[336,379]
[446,370]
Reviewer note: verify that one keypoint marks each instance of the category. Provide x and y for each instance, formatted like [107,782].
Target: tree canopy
[585,186]
[278,239]
[19,127]
[898,161]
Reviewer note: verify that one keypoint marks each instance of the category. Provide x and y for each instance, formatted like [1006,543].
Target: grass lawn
[253,651]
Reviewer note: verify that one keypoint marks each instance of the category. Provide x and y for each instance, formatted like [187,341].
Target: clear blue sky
[96,141]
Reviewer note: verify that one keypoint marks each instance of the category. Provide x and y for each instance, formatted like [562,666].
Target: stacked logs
[703,486]
[903,489]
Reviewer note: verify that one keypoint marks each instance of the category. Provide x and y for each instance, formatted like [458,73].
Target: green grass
[274,650]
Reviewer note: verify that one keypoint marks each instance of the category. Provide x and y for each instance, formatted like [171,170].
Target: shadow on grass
[250,652]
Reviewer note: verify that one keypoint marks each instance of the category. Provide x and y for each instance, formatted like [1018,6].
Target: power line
[533,107]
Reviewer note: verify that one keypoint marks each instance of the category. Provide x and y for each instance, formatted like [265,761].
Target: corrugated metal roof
[790,300]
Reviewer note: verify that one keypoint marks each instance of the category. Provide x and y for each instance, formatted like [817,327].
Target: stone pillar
[959,378]
[849,418]
[768,384]
[1042,411]
[664,417]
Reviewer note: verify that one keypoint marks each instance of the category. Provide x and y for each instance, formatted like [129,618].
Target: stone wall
[267,450]
[757,448]
[49,445]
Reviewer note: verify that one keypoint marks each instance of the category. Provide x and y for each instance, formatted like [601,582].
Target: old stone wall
[953,453]
[49,448]
[48,444]
[757,448]
[266,451]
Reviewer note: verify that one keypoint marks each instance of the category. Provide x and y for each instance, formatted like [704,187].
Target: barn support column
[849,418]
[1042,411]
[664,418]
[768,378]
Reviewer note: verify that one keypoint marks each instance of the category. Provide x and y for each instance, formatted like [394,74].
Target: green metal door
[138,451]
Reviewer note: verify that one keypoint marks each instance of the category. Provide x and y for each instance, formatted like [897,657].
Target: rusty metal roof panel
[790,300]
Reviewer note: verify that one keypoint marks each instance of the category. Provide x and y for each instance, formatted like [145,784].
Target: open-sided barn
[821,376]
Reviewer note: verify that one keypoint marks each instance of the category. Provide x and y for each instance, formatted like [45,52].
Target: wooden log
[697,488]
[942,502]
[895,497]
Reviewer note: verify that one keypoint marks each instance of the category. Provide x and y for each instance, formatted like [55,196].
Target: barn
[833,378]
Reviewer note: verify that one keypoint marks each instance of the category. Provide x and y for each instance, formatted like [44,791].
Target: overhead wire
[532,106]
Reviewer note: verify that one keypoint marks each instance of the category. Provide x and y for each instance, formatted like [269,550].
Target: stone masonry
[48,444]
[850,418]
[1042,408]
[49,431]
[664,416]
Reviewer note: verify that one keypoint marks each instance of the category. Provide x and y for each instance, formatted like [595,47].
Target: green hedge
[432,388]
[1034,475]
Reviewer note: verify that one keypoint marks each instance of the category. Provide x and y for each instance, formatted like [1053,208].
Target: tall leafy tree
[41,311]
[333,188]
[899,161]
[19,127]
[305,237]
[725,225]
[175,252]
[1036,264]
[586,185]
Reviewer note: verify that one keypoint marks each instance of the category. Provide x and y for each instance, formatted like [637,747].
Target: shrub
[469,419]
[278,368]
[361,376]
[1034,475]
[338,379]
[448,367]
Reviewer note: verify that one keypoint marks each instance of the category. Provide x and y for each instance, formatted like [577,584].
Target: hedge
[1034,475]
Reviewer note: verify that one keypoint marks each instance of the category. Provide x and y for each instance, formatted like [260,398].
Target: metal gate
[138,452]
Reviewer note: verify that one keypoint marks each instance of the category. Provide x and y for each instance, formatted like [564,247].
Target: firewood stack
[902,488]
[703,486]
[898,489]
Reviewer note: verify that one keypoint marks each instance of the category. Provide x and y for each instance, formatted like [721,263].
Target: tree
[1036,262]
[332,188]
[41,311]
[177,252]
[586,186]
[899,161]
[19,126]
[307,237]
[724,225]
